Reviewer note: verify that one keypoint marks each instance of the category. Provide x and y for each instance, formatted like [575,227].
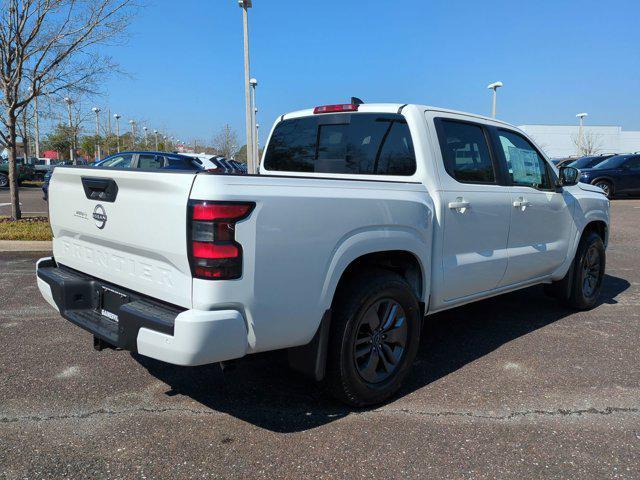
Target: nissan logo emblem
[100,216]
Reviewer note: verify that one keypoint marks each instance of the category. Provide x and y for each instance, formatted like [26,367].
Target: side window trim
[503,160]
[498,174]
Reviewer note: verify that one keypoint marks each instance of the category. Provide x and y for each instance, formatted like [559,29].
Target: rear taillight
[213,251]
[344,107]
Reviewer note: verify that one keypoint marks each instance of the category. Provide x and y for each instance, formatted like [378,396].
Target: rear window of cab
[347,143]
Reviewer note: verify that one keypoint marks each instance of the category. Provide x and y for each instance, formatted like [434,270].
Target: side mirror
[569,176]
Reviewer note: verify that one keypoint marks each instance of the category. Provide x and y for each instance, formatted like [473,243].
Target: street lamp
[245,5]
[494,86]
[156,134]
[118,117]
[580,131]
[133,134]
[146,141]
[254,120]
[96,110]
[72,151]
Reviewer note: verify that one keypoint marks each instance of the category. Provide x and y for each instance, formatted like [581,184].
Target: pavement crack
[403,411]
[518,414]
[104,411]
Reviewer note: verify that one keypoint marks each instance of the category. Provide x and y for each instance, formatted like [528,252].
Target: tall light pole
[72,151]
[246,5]
[118,117]
[36,126]
[257,144]
[133,134]
[146,140]
[156,134]
[494,86]
[254,120]
[96,110]
[108,141]
[581,131]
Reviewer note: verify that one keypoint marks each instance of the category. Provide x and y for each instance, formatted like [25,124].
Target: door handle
[460,205]
[101,189]
[522,203]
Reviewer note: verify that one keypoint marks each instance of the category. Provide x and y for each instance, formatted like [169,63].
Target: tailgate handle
[102,189]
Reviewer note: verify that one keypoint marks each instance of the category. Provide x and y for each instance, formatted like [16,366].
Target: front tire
[4,181]
[374,338]
[582,285]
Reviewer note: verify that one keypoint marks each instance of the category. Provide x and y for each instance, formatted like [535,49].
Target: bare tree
[226,142]
[48,47]
[587,144]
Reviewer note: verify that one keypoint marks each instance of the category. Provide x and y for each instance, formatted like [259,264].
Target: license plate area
[110,302]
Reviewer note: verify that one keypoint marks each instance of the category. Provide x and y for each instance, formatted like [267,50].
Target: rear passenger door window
[150,162]
[119,161]
[632,164]
[465,151]
[525,165]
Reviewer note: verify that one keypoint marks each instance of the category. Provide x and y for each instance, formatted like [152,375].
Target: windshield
[613,162]
[587,162]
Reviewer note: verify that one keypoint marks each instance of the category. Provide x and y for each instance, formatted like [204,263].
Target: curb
[25,246]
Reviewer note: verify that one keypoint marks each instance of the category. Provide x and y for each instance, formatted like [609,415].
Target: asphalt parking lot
[30,199]
[512,387]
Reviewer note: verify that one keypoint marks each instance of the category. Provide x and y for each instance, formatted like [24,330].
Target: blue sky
[556,58]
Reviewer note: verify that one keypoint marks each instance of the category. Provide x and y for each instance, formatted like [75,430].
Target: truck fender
[592,215]
[367,241]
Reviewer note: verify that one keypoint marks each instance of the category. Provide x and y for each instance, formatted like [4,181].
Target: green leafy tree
[59,140]
[88,145]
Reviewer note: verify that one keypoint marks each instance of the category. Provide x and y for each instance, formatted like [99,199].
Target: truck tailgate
[125,227]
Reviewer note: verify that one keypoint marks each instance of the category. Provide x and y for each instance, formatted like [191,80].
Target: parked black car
[619,174]
[589,161]
[45,185]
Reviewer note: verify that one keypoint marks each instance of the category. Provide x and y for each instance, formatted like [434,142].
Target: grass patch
[29,228]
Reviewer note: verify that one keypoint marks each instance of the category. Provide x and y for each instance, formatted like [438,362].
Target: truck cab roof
[398,108]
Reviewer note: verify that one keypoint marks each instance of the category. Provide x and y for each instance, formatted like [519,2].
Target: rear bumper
[143,325]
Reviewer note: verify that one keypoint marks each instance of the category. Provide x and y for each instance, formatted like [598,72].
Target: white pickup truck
[363,220]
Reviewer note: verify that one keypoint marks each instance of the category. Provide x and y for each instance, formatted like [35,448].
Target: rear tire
[374,337]
[4,181]
[582,285]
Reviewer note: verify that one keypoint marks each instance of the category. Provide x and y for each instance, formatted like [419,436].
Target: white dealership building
[560,140]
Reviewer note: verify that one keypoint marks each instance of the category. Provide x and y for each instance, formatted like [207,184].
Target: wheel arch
[598,226]
[403,251]
[606,179]
[404,263]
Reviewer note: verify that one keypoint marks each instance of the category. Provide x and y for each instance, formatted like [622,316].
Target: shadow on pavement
[261,389]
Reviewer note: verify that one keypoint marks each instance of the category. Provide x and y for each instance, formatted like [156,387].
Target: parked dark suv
[589,161]
[619,174]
